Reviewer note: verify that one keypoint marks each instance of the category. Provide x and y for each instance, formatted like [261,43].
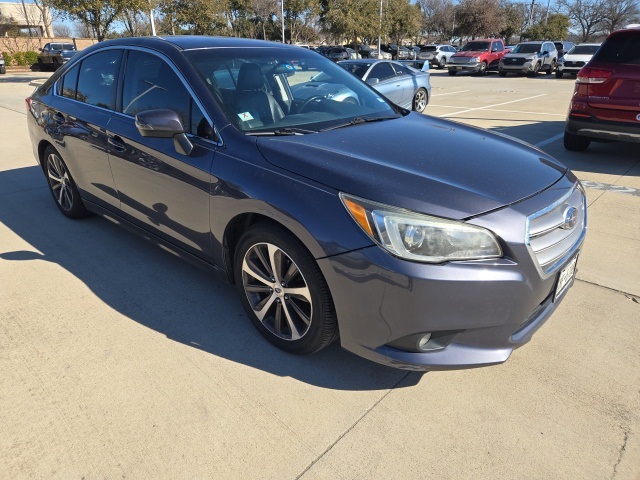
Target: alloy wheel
[420,100]
[60,182]
[277,291]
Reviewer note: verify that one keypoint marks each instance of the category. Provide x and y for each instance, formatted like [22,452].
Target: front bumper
[477,312]
[464,67]
[527,67]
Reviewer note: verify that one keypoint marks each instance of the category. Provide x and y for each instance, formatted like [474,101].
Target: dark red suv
[606,100]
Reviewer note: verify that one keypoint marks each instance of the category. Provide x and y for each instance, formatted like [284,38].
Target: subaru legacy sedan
[326,214]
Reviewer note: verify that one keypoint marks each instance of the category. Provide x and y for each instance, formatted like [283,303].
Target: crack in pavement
[330,447]
[13,110]
[630,296]
[623,448]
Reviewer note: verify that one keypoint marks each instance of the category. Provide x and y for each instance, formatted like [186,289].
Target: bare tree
[62,30]
[618,13]
[478,18]
[438,18]
[587,15]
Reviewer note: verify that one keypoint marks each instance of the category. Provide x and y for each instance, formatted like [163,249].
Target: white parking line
[450,93]
[549,140]
[563,115]
[491,106]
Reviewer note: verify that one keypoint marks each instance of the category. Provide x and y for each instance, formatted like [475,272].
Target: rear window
[621,48]
[431,48]
[584,49]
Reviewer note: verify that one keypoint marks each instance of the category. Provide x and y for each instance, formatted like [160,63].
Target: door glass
[382,71]
[97,80]
[69,82]
[151,84]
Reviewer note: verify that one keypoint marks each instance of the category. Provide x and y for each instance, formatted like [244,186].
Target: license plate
[458,68]
[565,278]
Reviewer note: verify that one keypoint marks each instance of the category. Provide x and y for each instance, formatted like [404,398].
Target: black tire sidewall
[323,324]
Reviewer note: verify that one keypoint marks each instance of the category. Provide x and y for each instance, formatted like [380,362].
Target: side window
[97,79]
[69,83]
[151,84]
[497,47]
[382,71]
[401,69]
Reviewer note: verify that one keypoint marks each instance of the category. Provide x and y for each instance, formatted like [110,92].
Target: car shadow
[156,289]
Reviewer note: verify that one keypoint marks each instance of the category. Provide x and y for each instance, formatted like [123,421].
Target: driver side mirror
[373,81]
[164,124]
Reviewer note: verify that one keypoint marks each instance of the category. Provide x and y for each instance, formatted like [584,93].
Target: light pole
[380,31]
[282,13]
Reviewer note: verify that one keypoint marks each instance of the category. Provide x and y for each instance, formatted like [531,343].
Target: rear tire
[283,290]
[576,143]
[452,72]
[62,186]
[420,100]
[442,62]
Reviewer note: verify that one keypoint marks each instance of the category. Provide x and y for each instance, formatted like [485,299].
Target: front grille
[574,64]
[455,59]
[549,238]
[514,61]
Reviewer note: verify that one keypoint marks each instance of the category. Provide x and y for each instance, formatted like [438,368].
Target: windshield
[476,47]
[583,50]
[262,92]
[527,48]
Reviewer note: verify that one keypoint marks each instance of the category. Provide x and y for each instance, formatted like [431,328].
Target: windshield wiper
[359,121]
[282,132]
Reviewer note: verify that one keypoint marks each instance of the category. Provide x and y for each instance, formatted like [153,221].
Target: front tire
[62,186]
[420,100]
[552,68]
[283,291]
[442,63]
[502,74]
[452,72]
[559,74]
[482,70]
[576,143]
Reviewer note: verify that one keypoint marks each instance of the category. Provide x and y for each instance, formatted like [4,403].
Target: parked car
[3,68]
[328,216]
[54,55]
[529,58]
[382,55]
[477,56]
[436,55]
[337,53]
[606,101]
[396,54]
[563,47]
[403,85]
[576,58]
[364,50]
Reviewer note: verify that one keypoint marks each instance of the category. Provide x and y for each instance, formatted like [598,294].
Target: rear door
[618,97]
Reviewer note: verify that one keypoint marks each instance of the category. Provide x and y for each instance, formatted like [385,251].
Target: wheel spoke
[265,263]
[68,198]
[60,195]
[275,261]
[291,272]
[302,292]
[257,289]
[263,307]
[303,316]
[253,273]
[295,334]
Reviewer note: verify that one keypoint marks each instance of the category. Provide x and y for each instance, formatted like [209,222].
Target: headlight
[420,237]
[477,59]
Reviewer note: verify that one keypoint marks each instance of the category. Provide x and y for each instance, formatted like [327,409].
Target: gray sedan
[403,85]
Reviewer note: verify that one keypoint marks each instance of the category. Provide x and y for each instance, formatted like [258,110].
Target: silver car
[529,58]
[436,55]
[403,85]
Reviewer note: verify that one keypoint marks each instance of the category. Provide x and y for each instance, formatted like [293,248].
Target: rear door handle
[117,143]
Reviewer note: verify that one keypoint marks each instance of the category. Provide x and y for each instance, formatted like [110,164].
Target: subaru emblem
[570,218]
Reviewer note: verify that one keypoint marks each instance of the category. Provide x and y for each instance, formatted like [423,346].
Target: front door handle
[117,143]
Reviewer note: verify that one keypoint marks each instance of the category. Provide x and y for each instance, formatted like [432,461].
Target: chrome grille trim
[549,244]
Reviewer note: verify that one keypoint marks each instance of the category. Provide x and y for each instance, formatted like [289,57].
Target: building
[29,17]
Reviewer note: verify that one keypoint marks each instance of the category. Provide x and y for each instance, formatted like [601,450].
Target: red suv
[477,56]
[606,100]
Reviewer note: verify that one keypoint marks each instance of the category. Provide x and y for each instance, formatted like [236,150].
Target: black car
[54,55]
[323,210]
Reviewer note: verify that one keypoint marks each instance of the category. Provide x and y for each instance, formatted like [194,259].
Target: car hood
[471,53]
[420,163]
[578,58]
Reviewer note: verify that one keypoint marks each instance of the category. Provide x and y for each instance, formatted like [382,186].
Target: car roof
[193,42]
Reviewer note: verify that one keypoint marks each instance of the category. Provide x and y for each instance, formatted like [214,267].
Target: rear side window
[382,71]
[69,83]
[97,79]
[621,48]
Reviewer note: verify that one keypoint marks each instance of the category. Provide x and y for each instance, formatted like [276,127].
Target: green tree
[97,14]
[351,19]
[404,20]
[553,28]
[198,17]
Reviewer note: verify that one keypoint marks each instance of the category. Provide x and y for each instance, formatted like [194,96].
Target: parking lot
[118,360]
